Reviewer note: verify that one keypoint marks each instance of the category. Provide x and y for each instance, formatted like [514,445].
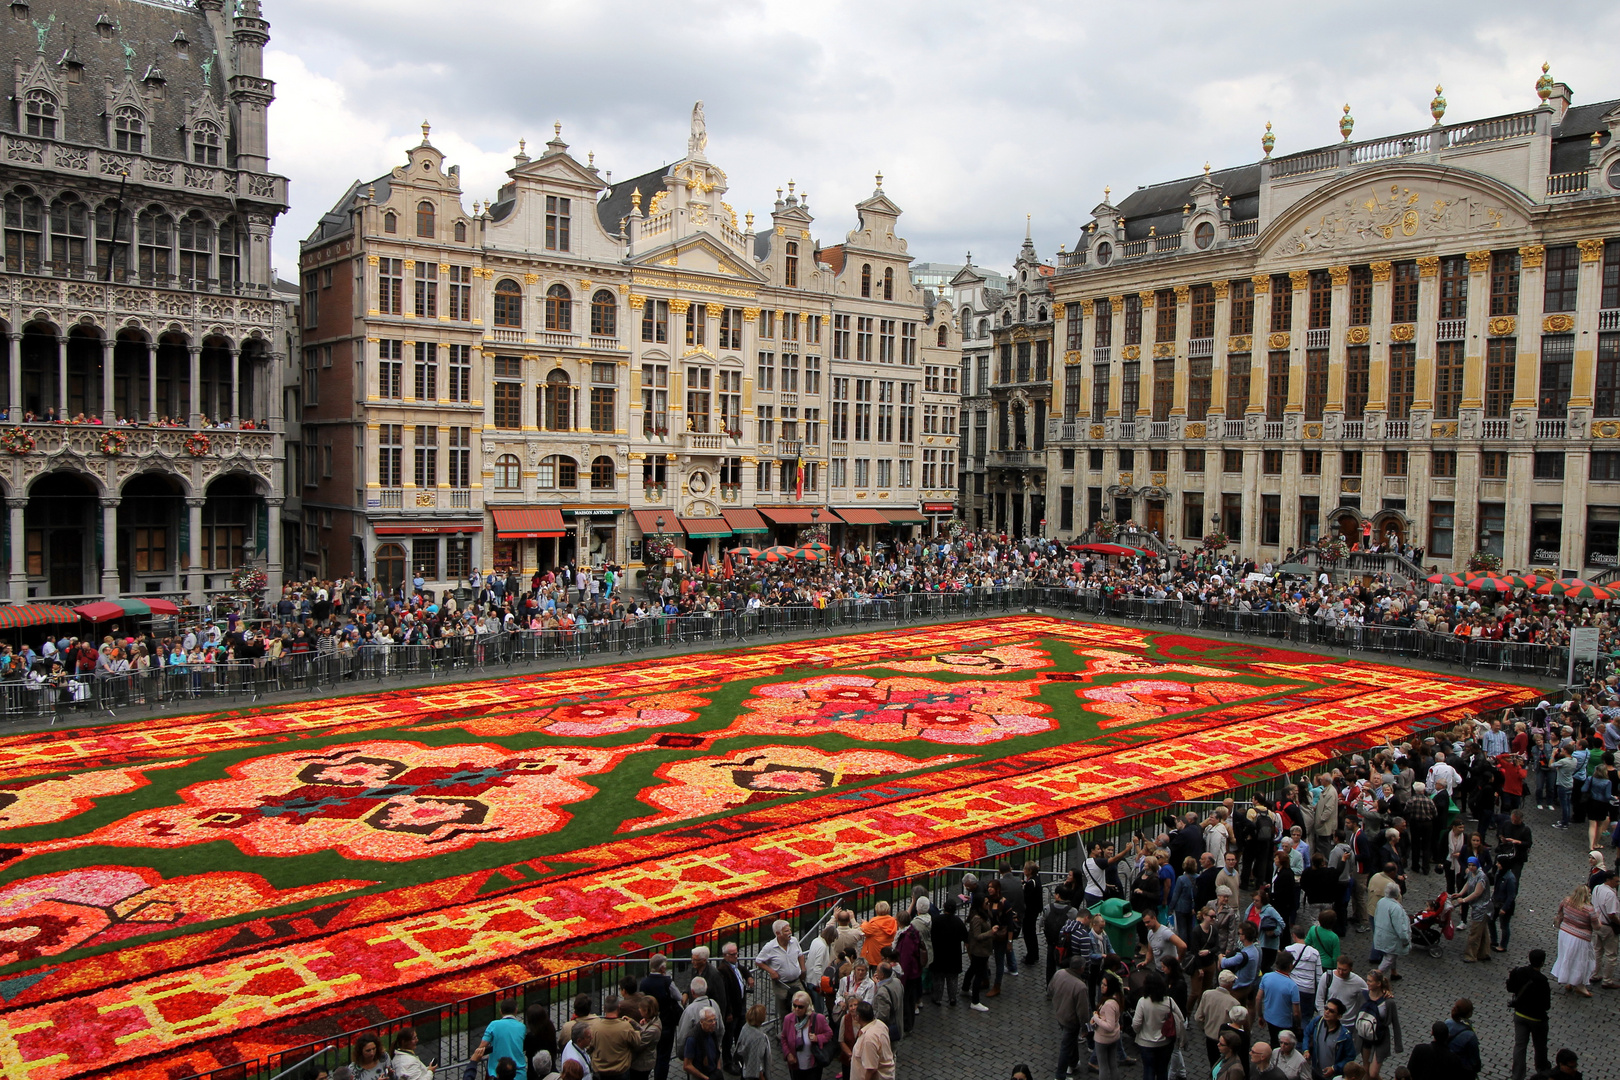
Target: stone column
[1217,366]
[236,388]
[1378,362]
[1478,313]
[1337,322]
[109,547]
[194,580]
[1589,299]
[14,352]
[1183,362]
[19,538]
[61,378]
[195,418]
[274,567]
[151,382]
[1301,321]
[109,411]
[1528,330]
[1144,366]
[1257,355]
[1427,335]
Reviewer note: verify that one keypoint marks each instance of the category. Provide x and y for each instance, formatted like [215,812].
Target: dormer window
[129,130]
[790,265]
[424,219]
[558,220]
[205,143]
[390,222]
[461,232]
[104,27]
[41,109]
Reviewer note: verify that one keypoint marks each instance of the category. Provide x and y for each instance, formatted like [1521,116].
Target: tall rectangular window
[1448,379]
[840,341]
[1071,391]
[460,373]
[1606,392]
[1241,298]
[1403,292]
[1004,374]
[1022,352]
[790,373]
[1076,326]
[1557,370]
[558,216]
[863,338]
[391,369]
[1237,385]
[460,457]
[699,387]
[1561,275]
[602,408]
[1357,380]
[1130,389]
[1271,520]
[1316,383]
[1199,379]
[1492,526]
[1361,290]
[1099,393]
[459,294]
[1192,515]
[427,456]
[1321,300]
[1164,312]
[1310,519]
[1442,523]
[1102,318]
[1282,303]
[731,328]
[1201,312]
[390,455]
[1501,365]
[765,372]
[1066,509]
[1276,384]
[427,289]
[812,375]
[654,399]
[1611,276]
[390,286]
[1402,380]
[1453,287]
[908,343]
[1164,388]
[655,322]
[1133,320]
[697,325]
[1232,513]
[427,371]
[1504,283]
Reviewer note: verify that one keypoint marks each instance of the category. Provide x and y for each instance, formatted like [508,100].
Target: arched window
[461,232]
[196,247]
[790,265]
[1040,315]
[557,473]
[41,106]
[70,229]
[204,143]
[1006,317]
[984,327]
[559,310]
[508,303]
[424,219]
[557,399]
[391,568]
[154,238]
[602,474]
[888,283]
[1023,309]
[940,337]
[866,279]
[390,222]
[508,473]
[129,130]
[604,314]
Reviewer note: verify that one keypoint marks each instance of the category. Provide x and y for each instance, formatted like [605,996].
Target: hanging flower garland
[1216,541]
[113,443]
[197,444]
[1333,548]
[1105,529]
[1484,562]
[18,441]
[249,581]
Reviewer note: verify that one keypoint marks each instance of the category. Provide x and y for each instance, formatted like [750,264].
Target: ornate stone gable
[1404,209]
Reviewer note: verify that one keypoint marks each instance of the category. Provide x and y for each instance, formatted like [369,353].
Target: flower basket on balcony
[1484,562]
[113,443]
[249,581]
[1105,530]
[657,548]
[18,441]
[1216,541]
[660,431]
[197,444]
[735,433]
[1332,548]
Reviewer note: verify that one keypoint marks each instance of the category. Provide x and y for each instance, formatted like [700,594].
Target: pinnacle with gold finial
[1206,170]
[1544,85]
[556,129]
[749,218]
[1268,140]
[880,179]
[1107,191]
[1347,124]
[635,199]
[523,146]
[424,132]
[1437,107]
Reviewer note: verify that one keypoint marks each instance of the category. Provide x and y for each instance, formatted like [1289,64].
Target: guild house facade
[576,365]
[1415,336]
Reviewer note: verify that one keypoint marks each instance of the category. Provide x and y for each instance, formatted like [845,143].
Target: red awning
[745,519]
[416,528]
[648,520]
[698,528]
[13,616]
[528,522]
[862,515]
[798,515]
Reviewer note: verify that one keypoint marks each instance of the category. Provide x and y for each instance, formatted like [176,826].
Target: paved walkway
[956,1042]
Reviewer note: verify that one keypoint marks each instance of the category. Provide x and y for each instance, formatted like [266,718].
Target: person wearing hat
[1474,891]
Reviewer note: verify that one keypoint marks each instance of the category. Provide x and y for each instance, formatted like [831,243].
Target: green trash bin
[1121,921]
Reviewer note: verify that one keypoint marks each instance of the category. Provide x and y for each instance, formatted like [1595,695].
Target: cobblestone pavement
[956,1042]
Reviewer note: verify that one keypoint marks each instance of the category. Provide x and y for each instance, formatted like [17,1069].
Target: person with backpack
[1377,1024]
[1462,1039]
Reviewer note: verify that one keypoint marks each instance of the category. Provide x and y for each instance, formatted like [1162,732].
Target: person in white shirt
[782,961]
[1442,777]
[1606,912]
[1306,973]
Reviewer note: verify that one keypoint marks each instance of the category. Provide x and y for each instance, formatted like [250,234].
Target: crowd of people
[1228,935]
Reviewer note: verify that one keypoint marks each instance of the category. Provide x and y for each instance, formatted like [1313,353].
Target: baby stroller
[1432,927]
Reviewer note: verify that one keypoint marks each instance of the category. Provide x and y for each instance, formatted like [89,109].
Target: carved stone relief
[1387,211]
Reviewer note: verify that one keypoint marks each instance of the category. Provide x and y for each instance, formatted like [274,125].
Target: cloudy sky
[977,113]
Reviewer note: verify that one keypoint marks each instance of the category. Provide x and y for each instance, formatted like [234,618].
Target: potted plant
[1484,562]
[1216,541]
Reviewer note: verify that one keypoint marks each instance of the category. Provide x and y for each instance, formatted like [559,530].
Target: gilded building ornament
[1357,335]
[1340,275]
[750,313]
[1164,350]
[1146,296]
[657,203]
[1132,352]
[1606,429]
[1299,278]
[1557,324]
[1117,303]
[1072,357]
[1532,256]
[1350,485]
[1278,340]
[532,279]
[636,301]
[1239,343]
[1158,479]
[623,288]
[1262,283]
[444,268]
[371,260]
[410,264]
[1125,479]
[584,284]
[1382,271]
[1182,293]
[1428,265]
[1402,332]
[1443,429]
[1313,431]
[1097,431]
[1222,289]
[1058,309]
[1374,213]
[1502,326]
[1479,262]
[1193,431]
[678,305]
[1591,250]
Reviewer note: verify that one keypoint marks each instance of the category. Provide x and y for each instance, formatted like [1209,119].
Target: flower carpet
[179,894]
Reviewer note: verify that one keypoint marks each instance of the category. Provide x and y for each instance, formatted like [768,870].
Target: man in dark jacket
[949,935]
[661,988]
[1058,913]
[1434,1060]
[731,991]
[1531,998]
